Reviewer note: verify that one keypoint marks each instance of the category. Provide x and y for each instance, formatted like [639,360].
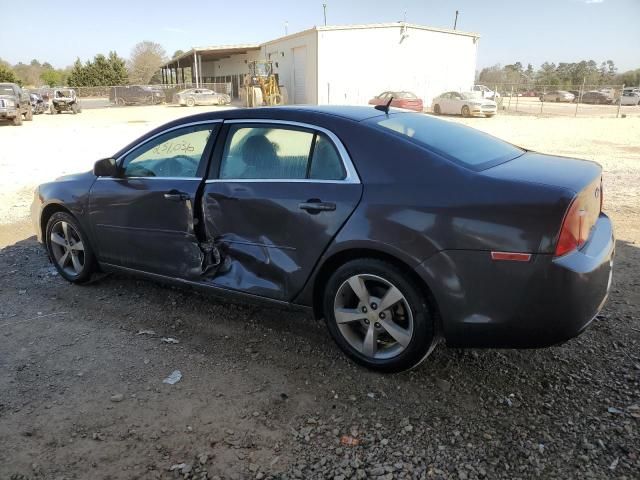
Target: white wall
[281,51]
[229,66]
[356,64]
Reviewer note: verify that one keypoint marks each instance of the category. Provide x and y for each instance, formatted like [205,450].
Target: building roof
[222,51]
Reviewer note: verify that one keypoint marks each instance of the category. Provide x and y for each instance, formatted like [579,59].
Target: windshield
[469,96]
[458,143]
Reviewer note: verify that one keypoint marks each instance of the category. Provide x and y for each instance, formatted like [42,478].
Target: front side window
[175,154]
[289,153]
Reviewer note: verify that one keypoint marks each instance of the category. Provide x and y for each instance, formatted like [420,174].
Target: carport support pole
[620,101]
[195,66]
[544,92]
[509,105]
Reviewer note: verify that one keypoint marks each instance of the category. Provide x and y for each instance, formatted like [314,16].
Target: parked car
[485,92]
[398,228]
[557,96]
[14,104]
[64,100]
[400,99]
[136,95]
[530,93]
[201,96]
[38,105]
[576,94]
[465,104]
[596,97]
[630,98]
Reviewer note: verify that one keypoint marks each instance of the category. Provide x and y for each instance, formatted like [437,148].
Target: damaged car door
[277,194]
[143,218]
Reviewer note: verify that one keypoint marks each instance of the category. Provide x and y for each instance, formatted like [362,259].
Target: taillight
[571,232]
[580,219]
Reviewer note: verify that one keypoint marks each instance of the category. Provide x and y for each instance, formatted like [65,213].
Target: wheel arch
[47,213]
[339,258]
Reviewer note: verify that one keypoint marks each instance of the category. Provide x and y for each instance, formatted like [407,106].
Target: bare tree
[145,60]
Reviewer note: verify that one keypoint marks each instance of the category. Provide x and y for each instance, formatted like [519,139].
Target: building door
[299,77]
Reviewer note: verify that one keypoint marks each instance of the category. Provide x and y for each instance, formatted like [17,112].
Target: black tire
[17,120]
[465,111]
[29,115]
[52,110]
[120,101]
[74,108]
[88,260]
[436,109]
[423,338]
[489,115]
[190,102]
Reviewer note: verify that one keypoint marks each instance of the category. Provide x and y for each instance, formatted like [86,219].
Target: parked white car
[629,97]
[485,92]
[463,103]
[201,96]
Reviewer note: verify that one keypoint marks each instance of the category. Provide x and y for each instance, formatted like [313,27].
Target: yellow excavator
[261,86]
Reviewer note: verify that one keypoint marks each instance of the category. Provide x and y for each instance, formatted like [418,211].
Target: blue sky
[511,30]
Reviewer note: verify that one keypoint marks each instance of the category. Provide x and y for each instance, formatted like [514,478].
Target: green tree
[6,74]
[102,71]
[52,77]
[177,53]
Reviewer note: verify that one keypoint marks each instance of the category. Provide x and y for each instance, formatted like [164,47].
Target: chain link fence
[99,97]
[552,100]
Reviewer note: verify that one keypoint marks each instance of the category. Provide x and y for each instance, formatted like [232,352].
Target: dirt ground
[265,393]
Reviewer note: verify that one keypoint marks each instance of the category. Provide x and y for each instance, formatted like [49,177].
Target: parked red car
[406,100]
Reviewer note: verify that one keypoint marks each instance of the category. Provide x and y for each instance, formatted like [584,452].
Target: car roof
[354,113]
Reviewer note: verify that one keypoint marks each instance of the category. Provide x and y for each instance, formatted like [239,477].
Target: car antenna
[384,108]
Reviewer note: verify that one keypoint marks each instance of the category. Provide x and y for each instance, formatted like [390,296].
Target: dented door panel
[268,244]
[137,227]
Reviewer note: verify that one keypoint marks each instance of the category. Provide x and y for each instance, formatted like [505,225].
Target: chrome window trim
[122,179]
[352,174]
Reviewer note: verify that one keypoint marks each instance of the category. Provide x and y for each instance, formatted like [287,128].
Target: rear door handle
[315,206]
[176,196]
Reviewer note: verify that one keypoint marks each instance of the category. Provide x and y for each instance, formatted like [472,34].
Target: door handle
[316,206]
[176,196]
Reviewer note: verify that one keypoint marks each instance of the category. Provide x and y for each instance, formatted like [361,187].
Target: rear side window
[287,153]
[458,143]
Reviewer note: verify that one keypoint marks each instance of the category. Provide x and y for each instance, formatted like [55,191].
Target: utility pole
[455,22]
[324,9]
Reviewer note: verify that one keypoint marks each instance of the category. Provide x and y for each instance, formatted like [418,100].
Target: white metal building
[344,64]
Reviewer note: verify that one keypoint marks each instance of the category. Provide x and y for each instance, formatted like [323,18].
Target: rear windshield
[407,95]
[463,145]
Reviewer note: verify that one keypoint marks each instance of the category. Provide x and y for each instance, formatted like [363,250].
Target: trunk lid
[569,173]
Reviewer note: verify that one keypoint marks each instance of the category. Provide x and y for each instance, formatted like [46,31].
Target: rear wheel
[378,316]
[17,120]
[190,102]
[121,102]
[69,248]
[52,109]
[29,115]
[436,109]
[465,111]
[74,108]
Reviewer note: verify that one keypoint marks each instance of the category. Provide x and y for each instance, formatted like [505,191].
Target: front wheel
[69,248]
[466,112]
[378,316]
[29,115]
[190,102]
[436,109]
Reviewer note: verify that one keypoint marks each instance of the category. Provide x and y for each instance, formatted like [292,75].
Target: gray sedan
[202,96]
[398,228]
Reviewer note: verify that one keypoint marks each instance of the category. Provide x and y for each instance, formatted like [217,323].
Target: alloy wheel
[373,316]
[67,248]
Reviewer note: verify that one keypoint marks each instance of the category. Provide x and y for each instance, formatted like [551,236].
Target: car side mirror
[106,167]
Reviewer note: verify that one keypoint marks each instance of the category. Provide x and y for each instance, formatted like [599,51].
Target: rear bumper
[546,301]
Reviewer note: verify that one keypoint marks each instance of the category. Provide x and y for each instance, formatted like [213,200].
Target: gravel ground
[265,393]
